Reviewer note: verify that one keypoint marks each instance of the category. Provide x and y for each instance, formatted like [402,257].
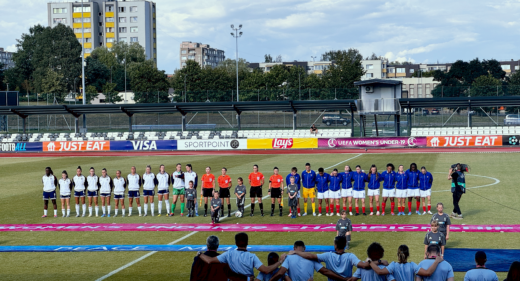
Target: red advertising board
[76,145]
[461,141]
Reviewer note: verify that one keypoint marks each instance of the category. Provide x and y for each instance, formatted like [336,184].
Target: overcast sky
[417,31]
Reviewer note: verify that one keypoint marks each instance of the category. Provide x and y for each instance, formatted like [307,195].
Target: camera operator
[458,187]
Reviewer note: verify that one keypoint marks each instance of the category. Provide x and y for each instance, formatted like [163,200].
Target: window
[59,20]
[122,39]
[122,9]
[391,70]
[85,9]
[86,19]
[77,20]
[134,39]
[122,30]
[77,30]
[88,50]
[110,29]
[401,70]
[59,10]
[109,8]
[183,58]
[517,67]
[411,70]
[411,92]
[428,91]
[133,9]
[134,29]
[133,19]
[370,66]
[87,30]
[183,52]
[191,57]
[87,40]
[506,67]
[419,91]
[122,19]
[110,40]
[370,75]
[183,64]
[109,19]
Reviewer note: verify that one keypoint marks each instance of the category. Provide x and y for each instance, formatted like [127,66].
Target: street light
[236,34]
[185,93]
[83,63]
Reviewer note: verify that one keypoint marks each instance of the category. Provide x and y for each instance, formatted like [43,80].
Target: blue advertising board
[143,145]
[21,146]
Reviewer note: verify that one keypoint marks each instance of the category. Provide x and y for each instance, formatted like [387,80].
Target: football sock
[344,208]
[418,205]
[97,210]
[429,207]
[129,210]
[108,209]
[115,211]
[103,209]
[298,208]
[166,205]
[174,205]
[350,209]
[152,207]
[139,209]
[392,206]
[123,211]
[384,206]
[281,208]
[409,206]
[305,207]
[145,208]
[424,208]
[77,209]
[313,207]
[183,205]
[68,212]
[363,209]
[371,209]
[319,209]
[44,212]
[160,206]
[357,210]
[55,212]
[90,211]
[252,208]
[206,208]
[272,208]
[229,207]
[377,208]
[63,212]
[261,207]
[337,209]
[84,208]
[326,209]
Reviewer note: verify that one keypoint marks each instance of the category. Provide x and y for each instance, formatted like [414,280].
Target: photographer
[458,187]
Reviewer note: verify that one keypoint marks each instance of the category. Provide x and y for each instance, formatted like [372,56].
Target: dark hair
[414,165]
[514,272]
[275,168]
[272,258]
[403,253]
[461,168]
[79,167]
[212,242]
[255,166]
[358,166]
[335,170]
[370,173]
[299,243]
[92,168]
[208,167]
[178,164]
[224,168]
[50,170]
[240,179]
[65,172]
[188,165]
[433,249]
[191,182]
[308,164]
[162,165]
[349,169]
[104,169]
[480,258]
[320,170]
[375,251]
[340,242]
[241,239]
[390,165]
[294,169]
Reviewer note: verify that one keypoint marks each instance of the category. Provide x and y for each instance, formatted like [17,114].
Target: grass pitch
[493,175]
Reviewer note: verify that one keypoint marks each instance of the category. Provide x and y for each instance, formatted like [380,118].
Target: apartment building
[104,22]
[316,67]
[6,58]
[201,53]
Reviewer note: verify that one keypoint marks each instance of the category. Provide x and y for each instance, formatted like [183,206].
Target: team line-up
[330,188]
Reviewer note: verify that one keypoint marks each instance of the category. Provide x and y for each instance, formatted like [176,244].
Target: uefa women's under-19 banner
[372,142]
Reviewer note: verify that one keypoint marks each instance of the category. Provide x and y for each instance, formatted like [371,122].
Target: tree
[91,93]
[486,85]
[132,52]
[106,57]
[2,77]
[373,57]
[268,58]
[111,95]
[420,73]
[278,58]
[346,69]
[148,83]
[96,74]
[52,83]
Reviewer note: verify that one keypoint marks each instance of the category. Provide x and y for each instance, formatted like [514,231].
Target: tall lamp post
[236,34]
[83,63]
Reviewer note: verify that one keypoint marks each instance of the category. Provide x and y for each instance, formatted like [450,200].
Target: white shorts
[298,196]
[401,193]
[413,193]
[359,194]
[426,193]
[389,193]
[346,192]
[323,195]
[373,192]
[334,194]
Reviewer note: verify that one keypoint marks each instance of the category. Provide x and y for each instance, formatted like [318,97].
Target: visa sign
[143,145]
[282,143]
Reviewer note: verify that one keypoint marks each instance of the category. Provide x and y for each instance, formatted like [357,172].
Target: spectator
[404,270]
[338,261]
[272,258]
[314,130]
[443,272]
[201,271]
[303,269]
[375,253]
[514,272]
[240,260]
[481,273]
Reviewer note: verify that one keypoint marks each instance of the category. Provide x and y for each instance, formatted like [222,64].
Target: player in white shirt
[105,190]
[163,188]
[190,175]
[134,184]
[178,189]
[149,183]
[49,191]
[79,181]
[92,191]
[65,184]
[119,192]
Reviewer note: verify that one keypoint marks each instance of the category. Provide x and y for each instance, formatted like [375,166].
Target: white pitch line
[343,162]
[151,253]
[497,181]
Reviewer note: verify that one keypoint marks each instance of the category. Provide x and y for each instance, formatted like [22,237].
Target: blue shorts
[79,193]
[119,196]
[134,194]
[164,191]
[148,192]
[92,193]
[106,194]
[49,195]
[65,196]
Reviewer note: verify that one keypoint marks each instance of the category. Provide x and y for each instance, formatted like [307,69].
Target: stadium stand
[462,131]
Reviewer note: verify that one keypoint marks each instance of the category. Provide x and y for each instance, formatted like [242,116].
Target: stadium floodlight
[236,34]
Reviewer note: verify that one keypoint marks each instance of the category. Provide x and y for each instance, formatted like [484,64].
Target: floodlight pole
[236,34]
[83,64]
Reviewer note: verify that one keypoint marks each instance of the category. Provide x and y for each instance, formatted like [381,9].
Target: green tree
[96,74]
[132,52]
[148,83]
[106,57]
[3,86]
[268,58]
[419,73]
[346,70]
[111,95]
[52,83]
[486,85]
[91,93]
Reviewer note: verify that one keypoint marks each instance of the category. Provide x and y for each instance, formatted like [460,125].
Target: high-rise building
[6,59]
[105,22]
[201,53]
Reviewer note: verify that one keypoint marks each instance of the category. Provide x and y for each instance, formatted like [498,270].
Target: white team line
[192,233]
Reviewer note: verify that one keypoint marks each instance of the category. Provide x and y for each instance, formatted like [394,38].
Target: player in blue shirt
[297,181]
[481,273]
[401,189]
[388,187]
[335,191]
[346,188]
[412,175]
[374,179]
[359,178]
[322,186]
[425,188]
[308,182]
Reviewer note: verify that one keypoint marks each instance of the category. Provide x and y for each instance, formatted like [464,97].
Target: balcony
[378,106]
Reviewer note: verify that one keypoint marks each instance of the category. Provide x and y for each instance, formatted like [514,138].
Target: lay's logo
[282,143]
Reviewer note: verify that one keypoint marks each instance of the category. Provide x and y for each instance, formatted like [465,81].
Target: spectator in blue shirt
[346,188]
[375,253]
[240,260]
[412,175]
[297,181]
[481,273]
[272,258]
[322,186]
[425,188]
[308,182]
[443,272]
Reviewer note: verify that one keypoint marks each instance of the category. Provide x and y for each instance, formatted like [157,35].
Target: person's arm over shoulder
[279,274]
[266,269]
[218,259]
[428,272]
[378,270]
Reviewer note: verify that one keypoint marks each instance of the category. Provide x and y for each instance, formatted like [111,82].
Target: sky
[403,30]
